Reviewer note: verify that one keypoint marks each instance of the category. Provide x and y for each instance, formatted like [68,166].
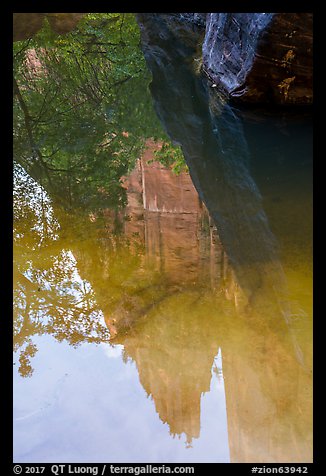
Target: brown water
[135,342]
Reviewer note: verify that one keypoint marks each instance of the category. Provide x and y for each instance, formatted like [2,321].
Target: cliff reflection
[268,395]
[49,297]
[161,281]
[173,343]
[189,267]
[165,210]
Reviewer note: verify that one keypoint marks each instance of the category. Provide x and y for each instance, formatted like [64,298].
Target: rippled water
[135,339]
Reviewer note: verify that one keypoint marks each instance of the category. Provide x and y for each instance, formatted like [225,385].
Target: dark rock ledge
[251,58]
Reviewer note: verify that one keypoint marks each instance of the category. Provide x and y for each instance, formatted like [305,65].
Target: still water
[135,342]
[162,317]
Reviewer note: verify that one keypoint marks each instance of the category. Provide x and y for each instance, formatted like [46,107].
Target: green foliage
[82,110]
[171,156]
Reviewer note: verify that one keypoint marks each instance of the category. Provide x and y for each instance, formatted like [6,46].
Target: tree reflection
[49,296]
[81,114]
[81,117]
[155,280]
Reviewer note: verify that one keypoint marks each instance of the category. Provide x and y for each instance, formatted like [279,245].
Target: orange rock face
[165,211]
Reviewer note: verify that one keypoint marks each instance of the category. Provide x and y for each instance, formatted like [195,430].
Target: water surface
[162,317]
[190,373]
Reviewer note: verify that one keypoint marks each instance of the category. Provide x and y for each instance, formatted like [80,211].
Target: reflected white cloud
[113,352]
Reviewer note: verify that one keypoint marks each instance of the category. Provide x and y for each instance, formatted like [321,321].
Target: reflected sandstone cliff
[268,392]
[164,210]
[160,273]
[162,294]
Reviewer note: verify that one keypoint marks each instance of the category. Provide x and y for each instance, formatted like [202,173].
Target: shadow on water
[212,139]
[190,266]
